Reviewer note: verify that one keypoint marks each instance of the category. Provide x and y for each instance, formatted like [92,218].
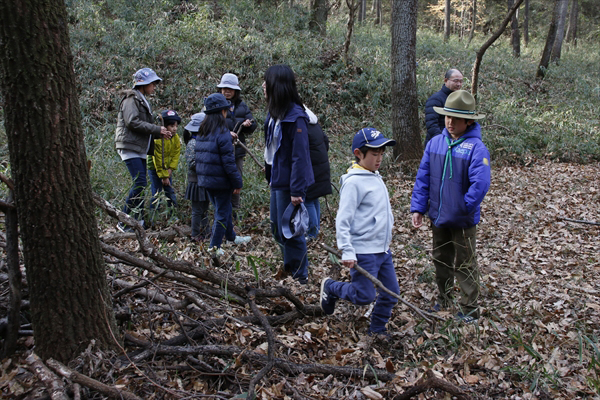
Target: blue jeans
[314,216]
[156,185]
[135,199]
[361,290]
[223,225]
[295,257]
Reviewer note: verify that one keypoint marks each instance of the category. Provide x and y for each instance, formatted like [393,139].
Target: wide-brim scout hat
[294,221]
[215,103]
[229,81]
[372,138]
[145,76]
[194,124]
[459,104]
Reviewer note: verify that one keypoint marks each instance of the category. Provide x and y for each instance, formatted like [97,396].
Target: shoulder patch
[298,130]
[486,162]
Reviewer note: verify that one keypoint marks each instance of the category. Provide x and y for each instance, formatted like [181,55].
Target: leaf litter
[538,336]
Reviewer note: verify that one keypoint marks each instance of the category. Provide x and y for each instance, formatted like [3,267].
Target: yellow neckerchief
[356,165]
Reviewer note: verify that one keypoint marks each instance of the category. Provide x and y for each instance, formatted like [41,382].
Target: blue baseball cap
[371,138]
[294,221]
[194,124]
[145,76]
[215,103]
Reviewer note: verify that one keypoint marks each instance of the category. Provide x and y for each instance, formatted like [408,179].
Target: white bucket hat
[229,81]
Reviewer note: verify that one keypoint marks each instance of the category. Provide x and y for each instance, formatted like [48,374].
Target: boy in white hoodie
[364,231]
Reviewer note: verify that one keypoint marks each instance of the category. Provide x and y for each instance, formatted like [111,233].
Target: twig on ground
[433,382]
[53,383]
[581,221]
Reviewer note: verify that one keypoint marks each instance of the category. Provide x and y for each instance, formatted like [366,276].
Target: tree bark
[526,24]
[560,30]
[405,112]
[545,60]
[14,279]
[573,19]
[378,18]
[447,21]
[515,36]
[70,301]
[486,45]
[319,12]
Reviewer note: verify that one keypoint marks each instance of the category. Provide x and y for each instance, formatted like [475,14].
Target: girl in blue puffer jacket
[216,169]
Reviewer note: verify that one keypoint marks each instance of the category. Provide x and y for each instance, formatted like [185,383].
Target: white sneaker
[242,239]
[219,252]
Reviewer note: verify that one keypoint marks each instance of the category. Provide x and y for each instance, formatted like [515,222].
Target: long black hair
[214,122]
[281,90]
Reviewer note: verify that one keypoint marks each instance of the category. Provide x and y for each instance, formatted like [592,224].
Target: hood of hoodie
[358,171]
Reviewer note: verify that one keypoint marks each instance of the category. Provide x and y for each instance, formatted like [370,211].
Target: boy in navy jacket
[453,178]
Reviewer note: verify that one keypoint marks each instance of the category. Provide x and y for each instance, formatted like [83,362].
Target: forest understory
[538,337]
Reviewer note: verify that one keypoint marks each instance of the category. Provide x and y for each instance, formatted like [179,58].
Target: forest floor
[538,337]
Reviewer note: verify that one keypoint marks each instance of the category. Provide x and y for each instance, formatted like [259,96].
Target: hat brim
[386,142]
[192,128]
[289,214]
[221,86]
[216,110]
[442,111]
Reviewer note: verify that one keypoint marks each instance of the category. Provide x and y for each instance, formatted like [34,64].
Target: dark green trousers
[454,256]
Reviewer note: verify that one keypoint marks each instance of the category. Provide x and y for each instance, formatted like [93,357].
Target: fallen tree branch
[53,383]
[86,381]
[425,315]
[270,341]
[433,382]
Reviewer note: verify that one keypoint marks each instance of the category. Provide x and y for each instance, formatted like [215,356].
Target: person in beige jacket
[134,139]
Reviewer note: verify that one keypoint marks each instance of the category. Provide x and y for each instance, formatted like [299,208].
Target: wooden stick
[425,315]
[238,142]
[581,221]
[53,383]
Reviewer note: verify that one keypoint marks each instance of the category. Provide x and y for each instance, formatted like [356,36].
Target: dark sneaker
[327,299]
[467,319]
[124,228]
[303,281]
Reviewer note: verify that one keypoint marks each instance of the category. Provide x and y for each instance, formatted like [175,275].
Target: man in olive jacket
[134,138]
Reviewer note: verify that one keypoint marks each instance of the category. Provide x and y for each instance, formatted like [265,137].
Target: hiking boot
[327,298]
[466,318]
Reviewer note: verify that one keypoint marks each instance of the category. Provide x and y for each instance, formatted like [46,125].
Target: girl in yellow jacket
[164,161]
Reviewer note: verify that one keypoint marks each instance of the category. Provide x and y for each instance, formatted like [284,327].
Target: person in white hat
[133,138]
[453,178]
[239,119]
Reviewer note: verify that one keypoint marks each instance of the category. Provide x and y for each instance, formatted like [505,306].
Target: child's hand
[234,136]
[170,171]
[237,191]
[349,263]
[296,200]
[247,123]
[164,132]
[166,182]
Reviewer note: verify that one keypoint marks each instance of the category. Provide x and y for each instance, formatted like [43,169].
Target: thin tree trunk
[319,12]
[405,107]
[486,45]
[378,19]
[352,7]
[514,32]
[573,18]
[545,60]
[526,24]
[473,21]
[447,11]
[69,297]
[560,31]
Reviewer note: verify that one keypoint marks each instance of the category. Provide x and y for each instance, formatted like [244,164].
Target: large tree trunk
[447,21]
[560,30]
[319,12]
[69,298]
[545,60]
[526,24]
[405,107]
[486,45]
[573,18]
[515,36]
